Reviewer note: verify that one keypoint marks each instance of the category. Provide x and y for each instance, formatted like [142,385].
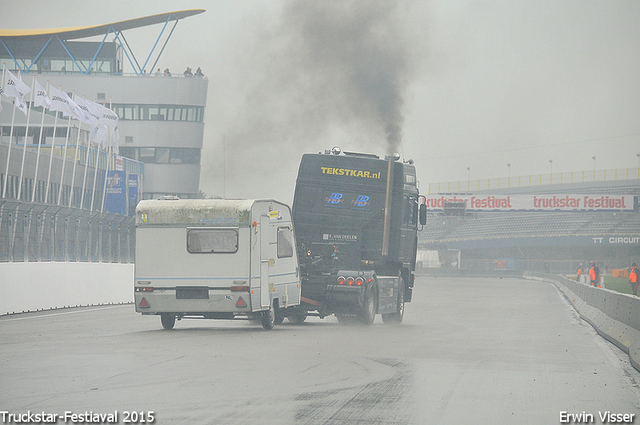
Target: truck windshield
[211,241]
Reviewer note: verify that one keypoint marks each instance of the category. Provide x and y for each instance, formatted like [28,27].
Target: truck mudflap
[348,293]
[345,298]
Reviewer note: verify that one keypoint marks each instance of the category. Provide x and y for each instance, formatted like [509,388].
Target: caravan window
[285,242]
[211,241]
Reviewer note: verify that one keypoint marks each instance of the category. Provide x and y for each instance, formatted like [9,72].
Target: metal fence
[32,232]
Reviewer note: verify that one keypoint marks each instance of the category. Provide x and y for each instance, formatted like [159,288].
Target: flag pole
[95,176]
[86,167]
[64,160]
[75,163]
[106,171]
[13,118]
[35,176]
[26,135]
[53,145]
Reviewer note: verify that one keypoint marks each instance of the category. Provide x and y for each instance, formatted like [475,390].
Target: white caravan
[217,259]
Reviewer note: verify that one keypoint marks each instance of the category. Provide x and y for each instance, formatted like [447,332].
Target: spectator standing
[167,73]
[594,275]
[199,73]
[188,72]
[579,274]
[633,279]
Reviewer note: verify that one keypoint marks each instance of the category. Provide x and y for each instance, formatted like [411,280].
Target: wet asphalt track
[470,351]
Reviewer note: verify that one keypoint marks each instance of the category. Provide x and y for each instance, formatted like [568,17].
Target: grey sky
[476,84]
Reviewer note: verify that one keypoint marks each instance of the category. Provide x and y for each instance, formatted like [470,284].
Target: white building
[161,117]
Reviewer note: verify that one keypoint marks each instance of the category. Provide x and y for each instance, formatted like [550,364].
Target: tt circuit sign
[616,240]
[574,203]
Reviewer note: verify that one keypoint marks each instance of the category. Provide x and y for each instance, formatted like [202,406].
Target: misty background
[461,87]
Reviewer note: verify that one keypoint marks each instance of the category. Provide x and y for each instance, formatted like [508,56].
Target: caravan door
[264,260]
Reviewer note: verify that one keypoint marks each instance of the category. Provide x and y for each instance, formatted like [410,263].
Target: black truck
[356,218]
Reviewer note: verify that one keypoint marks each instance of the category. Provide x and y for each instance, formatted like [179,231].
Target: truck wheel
[279,317]
[396,318]
[368,313]
[269,318]
[168,320]
[297,316]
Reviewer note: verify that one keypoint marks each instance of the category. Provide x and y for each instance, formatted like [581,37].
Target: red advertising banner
[589,202]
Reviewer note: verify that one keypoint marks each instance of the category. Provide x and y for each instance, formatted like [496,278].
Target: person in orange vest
[594,275]
[579,273]
[633,279]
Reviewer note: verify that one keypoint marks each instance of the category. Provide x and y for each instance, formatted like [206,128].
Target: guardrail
[613,315]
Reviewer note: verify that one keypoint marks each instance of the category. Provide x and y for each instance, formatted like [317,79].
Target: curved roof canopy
[19,44]
[90,31]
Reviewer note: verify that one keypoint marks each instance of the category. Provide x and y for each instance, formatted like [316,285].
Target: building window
[146,155]
[162,155]
[159,112]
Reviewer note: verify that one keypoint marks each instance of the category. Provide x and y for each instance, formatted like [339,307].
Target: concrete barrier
[615,316]
[33,286]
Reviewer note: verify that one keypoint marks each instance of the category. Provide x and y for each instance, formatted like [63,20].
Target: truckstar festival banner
[479,203]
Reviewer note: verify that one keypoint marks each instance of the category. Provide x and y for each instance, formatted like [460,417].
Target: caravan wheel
[168,320]
[269,318]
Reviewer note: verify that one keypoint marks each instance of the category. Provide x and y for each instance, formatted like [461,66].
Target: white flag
[41,97]
[14,87]
[61,102]
[107,116]
[100,135]
[102,114]
[83,111]
[85,106]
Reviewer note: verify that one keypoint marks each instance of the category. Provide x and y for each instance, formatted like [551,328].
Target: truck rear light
[341,280]
[241,288]
[350,280]
[145,289]
[359,281]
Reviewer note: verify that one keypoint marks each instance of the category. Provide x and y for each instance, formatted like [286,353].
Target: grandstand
[552,240]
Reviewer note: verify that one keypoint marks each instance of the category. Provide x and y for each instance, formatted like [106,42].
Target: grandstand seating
[502,225]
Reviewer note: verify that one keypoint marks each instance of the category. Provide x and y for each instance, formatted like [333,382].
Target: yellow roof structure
[25,41]
[90,31]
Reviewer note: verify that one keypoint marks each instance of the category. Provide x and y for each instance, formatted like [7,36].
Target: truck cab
[356,216]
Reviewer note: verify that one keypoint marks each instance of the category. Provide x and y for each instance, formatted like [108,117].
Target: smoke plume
[331,72]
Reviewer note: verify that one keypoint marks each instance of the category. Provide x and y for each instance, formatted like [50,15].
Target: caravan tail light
[341,280]
[144,289]
[350,280]
[241,288]
[359,281]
